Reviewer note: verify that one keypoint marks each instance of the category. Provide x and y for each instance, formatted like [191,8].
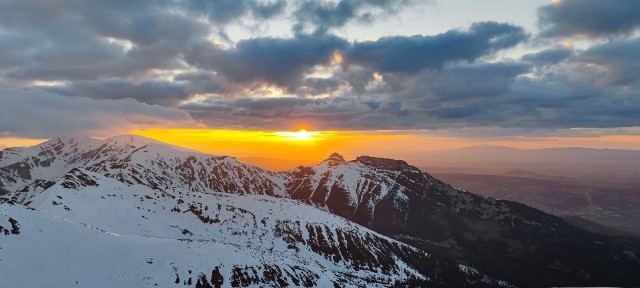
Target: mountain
[117,228]
[101,230]
[279,164]
[587,164]
[134,160]
[522,244]
[611,203]
[450,229]
[600,185]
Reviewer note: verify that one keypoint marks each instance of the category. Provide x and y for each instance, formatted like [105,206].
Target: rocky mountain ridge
[506,240]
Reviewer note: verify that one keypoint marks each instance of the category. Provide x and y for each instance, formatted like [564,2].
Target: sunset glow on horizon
[302,145]
[286,149]
[298,85]
[308,146]
[300,135]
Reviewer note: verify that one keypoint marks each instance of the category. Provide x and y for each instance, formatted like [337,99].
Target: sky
[365,75]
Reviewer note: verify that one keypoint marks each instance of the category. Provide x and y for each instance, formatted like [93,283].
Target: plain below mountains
[599,185]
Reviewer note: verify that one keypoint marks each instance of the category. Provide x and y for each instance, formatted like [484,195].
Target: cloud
[104,66]
[34,113]
[204,82]
[320,16]
[475,81]
[555,102]
[438,100]
[548,56]
[131,49]
[593,18]
[285,62]
[619,59]
[358,77]
[259,107]
[321,86]
[226,11]
[278,61]
[91,39]
[277,113]
[511,97]
[151,92]
[548,100]
[414,53]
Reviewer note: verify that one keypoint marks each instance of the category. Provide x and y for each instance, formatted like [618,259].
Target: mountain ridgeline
[397,224]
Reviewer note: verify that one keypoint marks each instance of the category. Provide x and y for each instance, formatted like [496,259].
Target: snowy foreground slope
[106,235]
[91,230]
[142,188]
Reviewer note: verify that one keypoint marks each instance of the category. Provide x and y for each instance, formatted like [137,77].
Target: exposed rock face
[13,228]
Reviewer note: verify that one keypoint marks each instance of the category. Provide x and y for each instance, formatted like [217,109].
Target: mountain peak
[135,140]
[384,163]
[335,157]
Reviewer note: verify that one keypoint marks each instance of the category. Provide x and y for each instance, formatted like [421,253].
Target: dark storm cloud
[88,40]
[453,83]
[33,113]
[13,49]
[358,77]
[480,95]
[274,60]
[265,107]
[323,15]
[225,11]
[621,59]
[84,63]
[150,92]
[446,97]
[541,103]
[143,25]
[277,113]
[412,54]
[115,64]
[557,103]
[548,57]
[204,82]
[589,17]
[284,62]
[475,81]
[317,86]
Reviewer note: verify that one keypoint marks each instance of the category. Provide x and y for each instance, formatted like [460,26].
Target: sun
[300,135]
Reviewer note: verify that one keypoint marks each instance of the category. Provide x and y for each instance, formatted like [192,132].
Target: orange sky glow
[280,150]
[287,149]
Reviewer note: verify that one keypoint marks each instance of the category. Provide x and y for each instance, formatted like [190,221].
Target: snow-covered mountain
[133,160]
[135,186]
[100,225]
[135,236]
[506,239]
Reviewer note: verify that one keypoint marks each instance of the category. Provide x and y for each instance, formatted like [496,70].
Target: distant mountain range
[570,162]
[600,185]
[129,211]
